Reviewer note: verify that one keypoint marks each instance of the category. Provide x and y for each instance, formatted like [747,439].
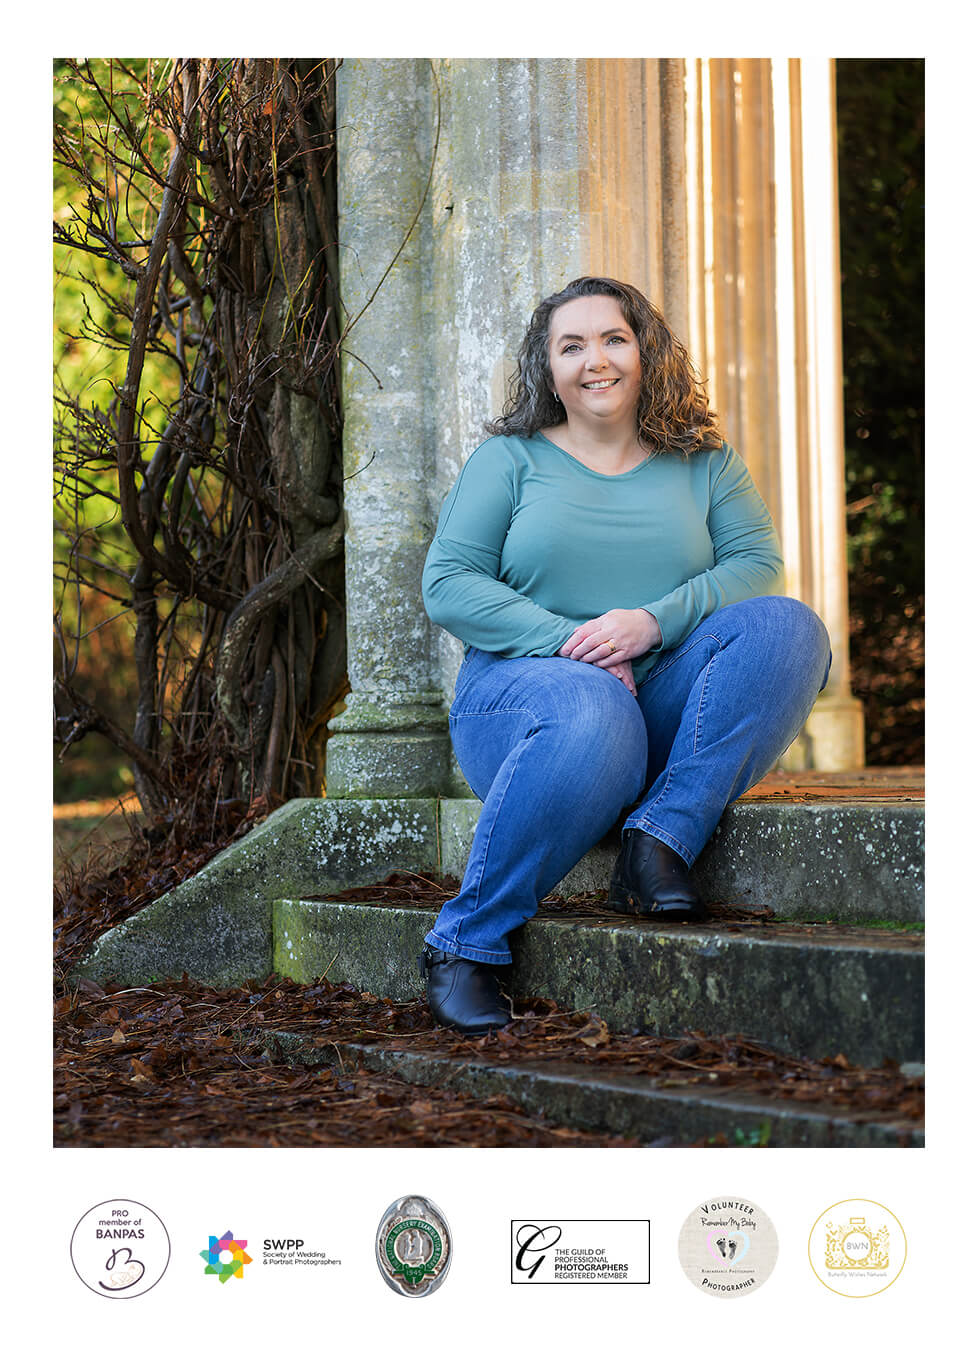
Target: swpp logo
[532,1243]
[226,1257]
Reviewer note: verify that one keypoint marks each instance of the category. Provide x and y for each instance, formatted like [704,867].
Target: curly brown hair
[673,409]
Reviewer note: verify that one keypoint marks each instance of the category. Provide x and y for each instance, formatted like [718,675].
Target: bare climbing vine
[199,492]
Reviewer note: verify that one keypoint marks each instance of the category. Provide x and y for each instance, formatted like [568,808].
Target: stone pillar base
[833,738]
[387,750]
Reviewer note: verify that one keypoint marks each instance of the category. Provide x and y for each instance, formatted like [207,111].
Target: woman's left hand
[618,635]
[624,673]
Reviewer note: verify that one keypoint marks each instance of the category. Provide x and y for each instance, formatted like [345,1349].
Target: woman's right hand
[616,636]
[624,673]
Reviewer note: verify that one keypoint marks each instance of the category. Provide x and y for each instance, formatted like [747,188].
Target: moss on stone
[217,925]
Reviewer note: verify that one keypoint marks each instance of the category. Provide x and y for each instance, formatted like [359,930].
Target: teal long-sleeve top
[531,543]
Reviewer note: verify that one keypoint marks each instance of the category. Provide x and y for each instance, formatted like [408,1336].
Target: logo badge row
[727,1248]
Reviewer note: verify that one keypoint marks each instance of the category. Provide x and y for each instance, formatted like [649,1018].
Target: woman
[614,573]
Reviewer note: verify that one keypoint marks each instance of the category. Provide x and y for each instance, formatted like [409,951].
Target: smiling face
[595,361]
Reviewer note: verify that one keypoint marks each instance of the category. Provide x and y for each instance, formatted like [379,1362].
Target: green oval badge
[414,1247]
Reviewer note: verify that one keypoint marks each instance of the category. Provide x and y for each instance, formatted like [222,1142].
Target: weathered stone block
[374,764]
[812,991]
[590,1097]
[845,862]
[216,926]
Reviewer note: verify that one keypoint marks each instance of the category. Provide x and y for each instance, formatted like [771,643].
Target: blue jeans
[556,749]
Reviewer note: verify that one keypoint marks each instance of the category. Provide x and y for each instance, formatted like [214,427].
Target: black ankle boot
[650,880]
[463,994]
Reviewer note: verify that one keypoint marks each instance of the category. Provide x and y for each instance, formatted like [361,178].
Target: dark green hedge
[881,200]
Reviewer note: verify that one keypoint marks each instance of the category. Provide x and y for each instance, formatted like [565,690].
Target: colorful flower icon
[223,1267]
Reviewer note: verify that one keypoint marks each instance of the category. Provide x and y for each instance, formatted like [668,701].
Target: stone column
[765,329]
[391,741]
[508,223]
[427,362]
[812,457]
[547,169]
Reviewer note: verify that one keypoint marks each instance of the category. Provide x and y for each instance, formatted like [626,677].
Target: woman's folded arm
[748,561]
[463,595]
[461,585]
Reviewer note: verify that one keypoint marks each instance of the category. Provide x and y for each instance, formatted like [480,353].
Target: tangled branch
[208,475]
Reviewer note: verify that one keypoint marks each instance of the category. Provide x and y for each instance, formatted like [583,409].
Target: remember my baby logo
[728,1247]
[857,1248]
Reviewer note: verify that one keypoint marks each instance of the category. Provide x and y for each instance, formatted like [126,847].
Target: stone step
[813,990]
[855,857]
[589,1097]
[854,860]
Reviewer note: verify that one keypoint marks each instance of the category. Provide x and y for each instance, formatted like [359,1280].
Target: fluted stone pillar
[765,329]
[812,442]
[508,215]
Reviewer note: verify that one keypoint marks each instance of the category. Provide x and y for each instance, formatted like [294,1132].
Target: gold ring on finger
[611,646]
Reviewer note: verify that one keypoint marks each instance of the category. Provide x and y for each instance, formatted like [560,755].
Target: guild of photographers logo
[580,1251]
[857,1248]
[414,1246]
[120,1249]
[226,1256]
[728,1247]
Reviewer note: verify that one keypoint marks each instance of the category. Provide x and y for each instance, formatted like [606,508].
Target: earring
[555,395]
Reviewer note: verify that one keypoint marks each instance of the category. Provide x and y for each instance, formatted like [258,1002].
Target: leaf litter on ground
[180,1063]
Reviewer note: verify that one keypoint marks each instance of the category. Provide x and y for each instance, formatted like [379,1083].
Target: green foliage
[91,326]
[881,201]
[91,293]
[91,332]
[758,1137]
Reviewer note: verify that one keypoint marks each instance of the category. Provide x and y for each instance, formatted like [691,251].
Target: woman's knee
[595,726]
[582,725]
[803,638]
[782,633]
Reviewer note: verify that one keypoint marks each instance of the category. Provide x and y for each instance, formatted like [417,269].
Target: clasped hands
[630,631]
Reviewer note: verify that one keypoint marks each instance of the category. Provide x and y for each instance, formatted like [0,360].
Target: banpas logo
[857,1248]
[226,1256]
[575,1251]
[120,1249]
